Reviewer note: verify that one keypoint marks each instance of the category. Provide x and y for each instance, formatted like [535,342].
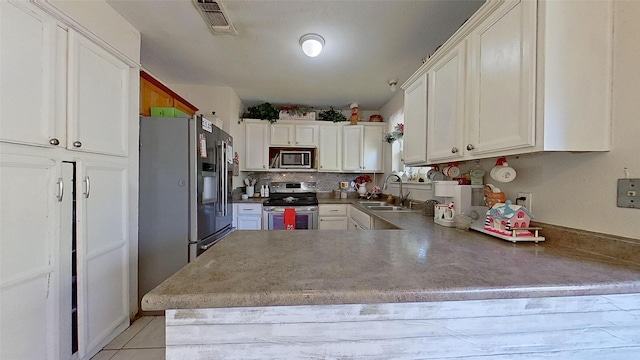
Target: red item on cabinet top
[289,218]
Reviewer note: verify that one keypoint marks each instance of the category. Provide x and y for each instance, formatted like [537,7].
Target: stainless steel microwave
[294,159]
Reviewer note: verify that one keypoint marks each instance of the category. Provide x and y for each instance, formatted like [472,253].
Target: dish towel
[289,218]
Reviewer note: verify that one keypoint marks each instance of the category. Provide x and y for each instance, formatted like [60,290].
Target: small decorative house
[504,218]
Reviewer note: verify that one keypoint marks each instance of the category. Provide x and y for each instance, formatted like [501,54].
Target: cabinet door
[306,135]
[30,58]
[103,261]
[502,80]
[332,223]
[330,147]
[249,222]
[256,146]
[372,149]
[282,135]
[445,119]
[353,225]
[352,138]
[415,122]
[29,234]
[98,101]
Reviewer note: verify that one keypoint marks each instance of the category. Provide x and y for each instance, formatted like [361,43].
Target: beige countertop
[423,262]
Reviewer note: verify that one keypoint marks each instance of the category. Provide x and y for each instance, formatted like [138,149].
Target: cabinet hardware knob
[54,141]
[454,150]
[470,147]
[77,144]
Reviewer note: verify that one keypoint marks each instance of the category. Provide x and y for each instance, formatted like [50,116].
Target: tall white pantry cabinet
[68,125]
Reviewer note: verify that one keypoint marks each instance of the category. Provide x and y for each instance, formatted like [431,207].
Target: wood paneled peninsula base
[428,292]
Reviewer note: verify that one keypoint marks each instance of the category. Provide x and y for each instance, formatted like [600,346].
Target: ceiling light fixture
[392,84]
[311,44]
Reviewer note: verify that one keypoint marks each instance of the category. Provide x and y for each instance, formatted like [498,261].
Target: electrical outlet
[629,193]
[526,202]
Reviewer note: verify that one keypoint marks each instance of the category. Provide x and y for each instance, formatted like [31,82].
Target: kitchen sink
[372,203]
[389,208]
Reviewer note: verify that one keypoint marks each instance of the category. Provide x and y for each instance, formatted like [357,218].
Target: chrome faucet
[402,197]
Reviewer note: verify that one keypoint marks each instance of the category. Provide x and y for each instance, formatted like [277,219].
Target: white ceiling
[368,43]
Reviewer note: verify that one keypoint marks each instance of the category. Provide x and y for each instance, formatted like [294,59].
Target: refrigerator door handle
[60,194]
[223,177]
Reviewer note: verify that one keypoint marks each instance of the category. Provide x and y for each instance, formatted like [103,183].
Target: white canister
[249,190]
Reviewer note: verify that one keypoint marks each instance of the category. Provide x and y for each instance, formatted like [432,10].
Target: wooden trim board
[603,327]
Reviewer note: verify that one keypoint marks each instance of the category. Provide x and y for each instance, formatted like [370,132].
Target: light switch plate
[629,193]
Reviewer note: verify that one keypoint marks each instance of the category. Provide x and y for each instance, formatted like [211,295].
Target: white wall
[393,113]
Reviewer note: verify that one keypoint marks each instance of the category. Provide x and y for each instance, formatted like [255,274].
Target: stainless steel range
[299,196]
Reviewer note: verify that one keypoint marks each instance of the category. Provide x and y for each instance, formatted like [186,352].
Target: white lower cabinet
[248,216]
[103,260]
[38,244]
[332,217]
[358,220]
[29,217]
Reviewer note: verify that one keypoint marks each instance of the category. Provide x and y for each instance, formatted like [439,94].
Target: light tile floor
[143,340]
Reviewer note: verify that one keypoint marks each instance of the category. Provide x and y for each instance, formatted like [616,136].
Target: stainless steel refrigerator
[185,194]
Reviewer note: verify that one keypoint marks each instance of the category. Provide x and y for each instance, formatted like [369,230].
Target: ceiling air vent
[215,16]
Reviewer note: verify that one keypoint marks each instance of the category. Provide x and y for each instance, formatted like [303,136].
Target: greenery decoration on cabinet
[332,115]
[264,111]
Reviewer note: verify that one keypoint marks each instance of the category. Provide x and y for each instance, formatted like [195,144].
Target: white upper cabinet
[256,145]
[98,101]
[575,75]
[330,148]
[415,120]
[60,89]
[286,134]
[352,139]
[281,135]
[30,61]
[339,147]
[530,82]
[446,99]
[502,80]
[372,145]
[362,148]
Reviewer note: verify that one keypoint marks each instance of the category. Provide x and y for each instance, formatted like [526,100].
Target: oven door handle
[299,209]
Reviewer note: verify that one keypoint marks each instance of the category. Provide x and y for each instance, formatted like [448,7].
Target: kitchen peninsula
[423,292]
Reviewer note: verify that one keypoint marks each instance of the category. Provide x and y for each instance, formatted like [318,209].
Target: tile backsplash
[324,181]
